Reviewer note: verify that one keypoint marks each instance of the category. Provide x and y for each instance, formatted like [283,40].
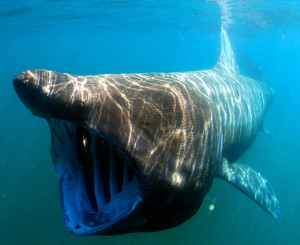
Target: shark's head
[133,152]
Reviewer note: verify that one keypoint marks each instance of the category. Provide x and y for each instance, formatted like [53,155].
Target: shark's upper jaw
[98,188]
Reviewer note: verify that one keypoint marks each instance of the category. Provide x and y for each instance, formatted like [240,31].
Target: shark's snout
[26,86]
[29,79]
[44,93]
[19,79]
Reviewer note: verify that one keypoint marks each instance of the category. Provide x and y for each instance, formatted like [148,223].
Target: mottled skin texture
[158,115]
[177,128]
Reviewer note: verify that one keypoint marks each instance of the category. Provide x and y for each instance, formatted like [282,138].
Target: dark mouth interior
[98,185]
[106,171]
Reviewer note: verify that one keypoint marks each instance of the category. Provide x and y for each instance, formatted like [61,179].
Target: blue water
[93,37]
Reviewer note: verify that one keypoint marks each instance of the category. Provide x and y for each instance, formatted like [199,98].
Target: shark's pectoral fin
[250,182]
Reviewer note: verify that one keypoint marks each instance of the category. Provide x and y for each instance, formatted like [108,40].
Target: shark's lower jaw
[98,188]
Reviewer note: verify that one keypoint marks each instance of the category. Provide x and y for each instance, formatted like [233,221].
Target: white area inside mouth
[98,187]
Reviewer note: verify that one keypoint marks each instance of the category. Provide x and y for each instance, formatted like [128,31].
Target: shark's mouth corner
[98,187]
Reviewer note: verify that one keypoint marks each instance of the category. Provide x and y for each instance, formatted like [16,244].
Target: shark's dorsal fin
[226,59]
[251,183]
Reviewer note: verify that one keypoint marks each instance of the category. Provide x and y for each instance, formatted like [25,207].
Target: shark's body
[138,152]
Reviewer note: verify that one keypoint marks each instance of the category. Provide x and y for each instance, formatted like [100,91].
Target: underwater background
[95,37]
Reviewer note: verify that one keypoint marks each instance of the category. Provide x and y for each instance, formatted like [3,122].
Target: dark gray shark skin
[139,152]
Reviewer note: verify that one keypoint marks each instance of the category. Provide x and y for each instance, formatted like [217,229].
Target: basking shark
[139,152]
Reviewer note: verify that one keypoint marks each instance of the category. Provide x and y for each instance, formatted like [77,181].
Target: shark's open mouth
[98,187]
